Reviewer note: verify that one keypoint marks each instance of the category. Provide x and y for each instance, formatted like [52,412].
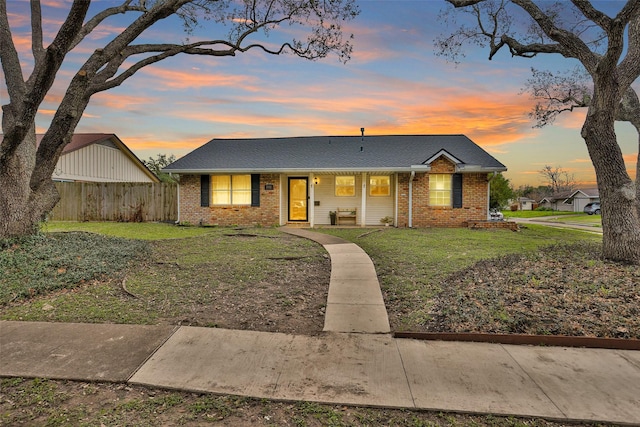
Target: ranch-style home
[409,180]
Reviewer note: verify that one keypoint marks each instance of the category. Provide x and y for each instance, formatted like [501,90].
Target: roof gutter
[412,168]
[418,168]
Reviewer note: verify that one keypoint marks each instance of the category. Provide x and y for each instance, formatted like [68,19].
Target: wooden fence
[116,201]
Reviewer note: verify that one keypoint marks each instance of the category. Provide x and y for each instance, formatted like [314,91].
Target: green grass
[581,219]
[533,214]
[129,230]
[41,263]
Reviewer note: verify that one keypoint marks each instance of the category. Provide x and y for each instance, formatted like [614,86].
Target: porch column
[311,204]
[363,204]
[395,205]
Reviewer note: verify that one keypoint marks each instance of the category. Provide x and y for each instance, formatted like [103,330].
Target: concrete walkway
[355,302]
[371,369]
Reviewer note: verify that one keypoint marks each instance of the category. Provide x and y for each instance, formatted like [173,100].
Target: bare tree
[608,49]
[558,180]
[559,92]
[26,168]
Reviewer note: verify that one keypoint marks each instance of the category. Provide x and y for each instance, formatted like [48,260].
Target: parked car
[592,208]
[496,215]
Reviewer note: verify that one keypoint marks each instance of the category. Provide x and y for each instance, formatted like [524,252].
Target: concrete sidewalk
[359,369]
[367,368]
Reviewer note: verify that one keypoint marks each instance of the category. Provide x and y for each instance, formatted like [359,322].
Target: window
[345,186]
[440,189]
[231,189]
[379,186]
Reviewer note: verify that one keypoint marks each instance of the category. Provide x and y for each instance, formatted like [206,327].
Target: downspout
[413,174]
[489,194]
[178,191]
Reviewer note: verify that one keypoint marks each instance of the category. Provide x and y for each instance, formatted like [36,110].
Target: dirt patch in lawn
[559,290]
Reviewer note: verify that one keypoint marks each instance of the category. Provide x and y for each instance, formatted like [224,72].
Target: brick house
[415,180]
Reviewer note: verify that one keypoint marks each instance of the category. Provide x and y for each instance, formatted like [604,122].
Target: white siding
[98,163]
[380,206]
[325,194]
[377,207]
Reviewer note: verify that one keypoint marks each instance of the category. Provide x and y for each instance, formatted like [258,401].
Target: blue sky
[394,84]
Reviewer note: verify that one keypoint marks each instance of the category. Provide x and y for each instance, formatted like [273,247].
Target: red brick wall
[474,199]
[267,214]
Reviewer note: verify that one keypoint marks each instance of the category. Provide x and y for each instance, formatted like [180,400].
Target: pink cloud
[190,79]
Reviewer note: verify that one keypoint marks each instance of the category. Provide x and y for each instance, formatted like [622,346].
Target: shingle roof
[332,153]
[81,140]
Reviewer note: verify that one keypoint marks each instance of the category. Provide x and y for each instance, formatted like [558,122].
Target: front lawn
[543,279]
[417,266]
[537,280]
[533,214]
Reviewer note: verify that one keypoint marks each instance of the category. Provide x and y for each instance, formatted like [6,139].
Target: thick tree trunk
[620,216]
[22,207]
[629,111]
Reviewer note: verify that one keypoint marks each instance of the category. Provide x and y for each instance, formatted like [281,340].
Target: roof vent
[362,139]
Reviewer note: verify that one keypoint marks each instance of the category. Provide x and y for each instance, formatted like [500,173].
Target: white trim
[441,153]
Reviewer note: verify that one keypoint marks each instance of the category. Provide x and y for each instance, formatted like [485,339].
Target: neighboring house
[571,201]
[418,180]
[582,197]
[99,157]
[525,204]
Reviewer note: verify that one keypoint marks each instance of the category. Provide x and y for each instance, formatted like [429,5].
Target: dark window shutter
[204,190]
[457,190]
[255,189]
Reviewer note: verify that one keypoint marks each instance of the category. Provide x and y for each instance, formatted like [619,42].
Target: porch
[339,199]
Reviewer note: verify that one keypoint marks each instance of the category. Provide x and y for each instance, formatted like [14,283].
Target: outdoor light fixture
[316,180]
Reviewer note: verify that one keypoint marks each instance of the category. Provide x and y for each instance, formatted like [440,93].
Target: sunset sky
[394,84]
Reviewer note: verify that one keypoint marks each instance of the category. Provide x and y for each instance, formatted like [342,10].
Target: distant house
[415,180]
[571,201]
[525,204]
[99,157]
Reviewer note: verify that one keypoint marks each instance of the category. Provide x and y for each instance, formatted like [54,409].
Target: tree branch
[100,17]
[573,45]
[592,14]
[43,76]
[464,3]
[104,80]
[9,58]
[629,67]
[530,50]
[36,32]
